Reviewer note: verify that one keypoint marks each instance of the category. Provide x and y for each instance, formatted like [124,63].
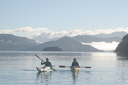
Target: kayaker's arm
[49,64]
[78,65]
[71,65]
[42,62]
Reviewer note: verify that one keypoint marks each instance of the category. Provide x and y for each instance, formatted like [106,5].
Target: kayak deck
[75,69]
[44,69]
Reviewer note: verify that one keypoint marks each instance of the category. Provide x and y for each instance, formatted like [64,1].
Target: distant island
[52,49]
[123,45]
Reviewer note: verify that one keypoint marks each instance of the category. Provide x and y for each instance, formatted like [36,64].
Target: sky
[54,18]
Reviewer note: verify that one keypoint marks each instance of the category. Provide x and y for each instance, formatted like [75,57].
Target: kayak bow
[75,69]
[44,69]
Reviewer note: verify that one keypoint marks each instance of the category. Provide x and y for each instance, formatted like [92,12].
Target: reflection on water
[44,77]
[19,68]
[122,56]
[74,77]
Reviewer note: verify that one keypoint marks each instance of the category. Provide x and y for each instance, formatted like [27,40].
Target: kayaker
[75,63]
[47,63]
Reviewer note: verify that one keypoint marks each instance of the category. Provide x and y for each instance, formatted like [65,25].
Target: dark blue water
[19,68]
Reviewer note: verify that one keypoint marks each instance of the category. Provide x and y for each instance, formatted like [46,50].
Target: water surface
[19,68]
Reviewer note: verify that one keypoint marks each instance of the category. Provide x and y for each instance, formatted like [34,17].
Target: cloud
[30,29]
[34,35]
[104,45]
[107,31]
[6,31]
[45,32]
[75,32]
[24,29]
[51,34]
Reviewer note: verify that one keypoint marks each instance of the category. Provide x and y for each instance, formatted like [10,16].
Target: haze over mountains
[89,39]
[115,36]
[66,44]
[14,43]
[106,42]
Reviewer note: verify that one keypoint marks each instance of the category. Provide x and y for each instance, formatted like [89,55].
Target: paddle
[62,66]
[42,60]
[38,57]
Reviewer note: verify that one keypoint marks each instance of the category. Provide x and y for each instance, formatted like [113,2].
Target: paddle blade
[88,67]
[62,66]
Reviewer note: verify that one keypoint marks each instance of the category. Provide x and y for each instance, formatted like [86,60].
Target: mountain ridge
[123,45]
[9,42]
[66,44]
[115,36]
[89,39]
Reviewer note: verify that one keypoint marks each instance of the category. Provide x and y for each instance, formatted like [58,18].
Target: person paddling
[47,63]
[75,63]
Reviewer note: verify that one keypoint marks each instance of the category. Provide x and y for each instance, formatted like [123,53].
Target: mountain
[123,45]
[114,34]
[10,42]
[66,44]
[41,39]
[89,39]
[44,39]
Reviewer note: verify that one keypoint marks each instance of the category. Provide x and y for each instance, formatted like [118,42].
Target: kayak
[44,69]
[75,69]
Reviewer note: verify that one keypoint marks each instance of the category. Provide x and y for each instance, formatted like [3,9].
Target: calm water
[19,68]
